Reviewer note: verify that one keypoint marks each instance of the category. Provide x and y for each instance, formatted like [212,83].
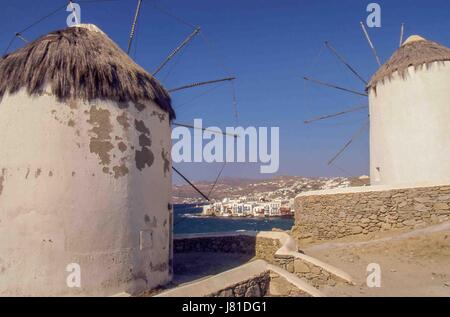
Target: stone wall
[260,247]
[312,274]
[280,287]
[255,287]
[225,244]
[335,214]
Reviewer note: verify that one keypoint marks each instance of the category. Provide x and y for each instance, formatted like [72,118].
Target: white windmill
[408,106]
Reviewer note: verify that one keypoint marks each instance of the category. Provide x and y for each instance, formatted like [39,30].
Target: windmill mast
[402,29]
[370,43]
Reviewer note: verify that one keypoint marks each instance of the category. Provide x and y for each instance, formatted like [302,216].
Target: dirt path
[414,263]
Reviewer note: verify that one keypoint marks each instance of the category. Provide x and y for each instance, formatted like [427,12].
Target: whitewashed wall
[410,127]
[71,192]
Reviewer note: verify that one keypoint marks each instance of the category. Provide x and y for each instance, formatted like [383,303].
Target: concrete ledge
[282,236]
[123,294]
[219,282]
[216,284]
[365,189]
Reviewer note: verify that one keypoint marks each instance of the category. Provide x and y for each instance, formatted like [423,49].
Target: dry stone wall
[262,248]
[257,286]
[337,215]
[279,286]
[312,274]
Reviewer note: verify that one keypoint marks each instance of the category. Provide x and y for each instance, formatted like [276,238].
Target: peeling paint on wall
[101,144]
[166,168]
[122,147]
[139,106]
[141,127]
[145,156]
[123,120]
[120,171]
[73,104]
[154,223]
[123,105]
[144,141]
[161,116]
[2,179]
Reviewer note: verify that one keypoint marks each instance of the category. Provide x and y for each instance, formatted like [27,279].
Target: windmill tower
[409,98]
[409,117]
[85,168]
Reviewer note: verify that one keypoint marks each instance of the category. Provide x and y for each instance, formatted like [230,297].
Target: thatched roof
[415,51]
[80,62]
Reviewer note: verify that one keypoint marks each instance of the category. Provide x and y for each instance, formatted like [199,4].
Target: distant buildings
[282,188]
[243,207]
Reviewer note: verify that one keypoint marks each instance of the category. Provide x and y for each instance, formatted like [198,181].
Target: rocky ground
[414,263]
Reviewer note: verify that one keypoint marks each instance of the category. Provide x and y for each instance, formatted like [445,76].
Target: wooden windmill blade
[176,50]
[190,183]
[202,83]
[374,51]
[343,112]
[318,82]
[346,145]
[402,30]
[217,179]
[343,61]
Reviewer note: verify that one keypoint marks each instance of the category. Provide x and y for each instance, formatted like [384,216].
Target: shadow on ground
[188,267]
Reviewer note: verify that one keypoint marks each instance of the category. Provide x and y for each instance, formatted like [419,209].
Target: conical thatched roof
[80,62]
[415,51]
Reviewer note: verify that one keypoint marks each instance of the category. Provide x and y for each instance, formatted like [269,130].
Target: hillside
[285,187]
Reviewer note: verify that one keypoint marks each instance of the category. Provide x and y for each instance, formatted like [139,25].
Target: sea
[188,219]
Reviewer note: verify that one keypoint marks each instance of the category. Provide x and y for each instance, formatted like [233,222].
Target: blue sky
[268,46]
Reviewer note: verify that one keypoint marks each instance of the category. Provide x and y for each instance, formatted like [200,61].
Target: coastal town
[279,188]
[262,198]
[244,207]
